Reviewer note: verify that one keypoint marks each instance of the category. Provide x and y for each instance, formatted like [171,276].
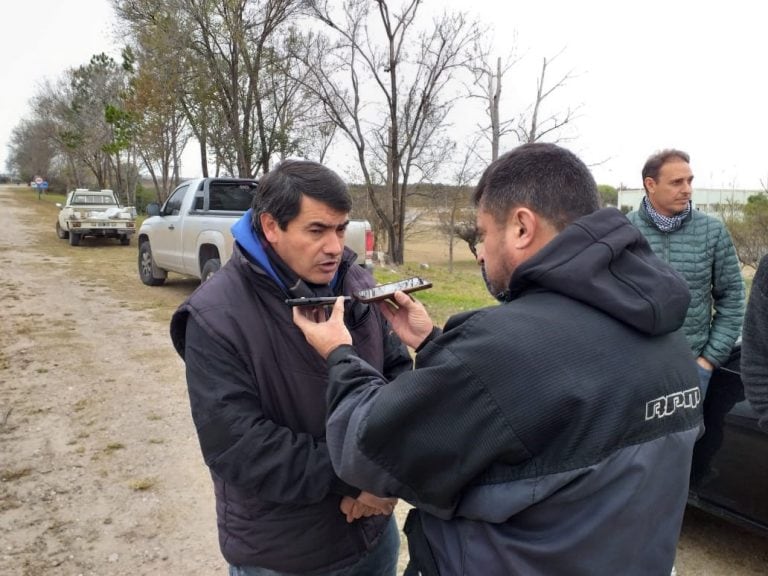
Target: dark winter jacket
[754,344]
[551,434]
[702,251]
[257,392]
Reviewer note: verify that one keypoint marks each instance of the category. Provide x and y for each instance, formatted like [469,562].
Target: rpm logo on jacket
[667,405]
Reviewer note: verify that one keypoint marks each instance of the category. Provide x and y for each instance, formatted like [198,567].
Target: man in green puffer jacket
[699,247]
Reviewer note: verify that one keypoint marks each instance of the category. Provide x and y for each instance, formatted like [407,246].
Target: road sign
[38,180]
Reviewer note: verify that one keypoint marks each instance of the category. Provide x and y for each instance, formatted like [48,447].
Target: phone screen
[314,301]
[383,291]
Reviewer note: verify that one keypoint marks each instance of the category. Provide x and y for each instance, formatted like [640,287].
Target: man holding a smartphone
[257,389]
[551,434]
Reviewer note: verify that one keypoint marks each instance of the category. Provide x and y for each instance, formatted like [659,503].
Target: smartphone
[315,301]
[384,291]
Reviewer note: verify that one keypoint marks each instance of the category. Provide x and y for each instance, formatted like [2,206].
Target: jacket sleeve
[414,437]
[754,344]
[397,359]
[238,442]
[728,301]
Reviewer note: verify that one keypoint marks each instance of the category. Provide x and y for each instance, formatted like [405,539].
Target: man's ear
[522,227]
[650,185]
[269,227]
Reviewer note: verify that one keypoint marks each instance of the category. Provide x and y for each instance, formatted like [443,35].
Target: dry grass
[142,484]
[14,474]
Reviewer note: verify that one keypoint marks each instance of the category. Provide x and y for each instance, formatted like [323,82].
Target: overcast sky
[648,75]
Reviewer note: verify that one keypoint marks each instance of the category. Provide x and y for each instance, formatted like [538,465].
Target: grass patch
[114,447]
[80,405]
[142,484]
[11,475]
[451,292]
[25,329]
[8,502]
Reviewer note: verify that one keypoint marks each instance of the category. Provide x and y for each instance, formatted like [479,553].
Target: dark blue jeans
[379,561]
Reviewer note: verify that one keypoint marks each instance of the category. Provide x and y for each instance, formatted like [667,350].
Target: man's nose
[334,244]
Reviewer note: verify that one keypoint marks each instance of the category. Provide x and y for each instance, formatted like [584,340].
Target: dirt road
[100,471]
[100,466]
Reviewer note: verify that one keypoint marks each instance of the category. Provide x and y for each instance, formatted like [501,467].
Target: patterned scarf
[666,223]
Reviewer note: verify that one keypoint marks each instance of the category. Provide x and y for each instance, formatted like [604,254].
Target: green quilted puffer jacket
[702,251]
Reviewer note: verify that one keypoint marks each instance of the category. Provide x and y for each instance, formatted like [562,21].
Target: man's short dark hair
[280,191]
[545,178]
[656,161]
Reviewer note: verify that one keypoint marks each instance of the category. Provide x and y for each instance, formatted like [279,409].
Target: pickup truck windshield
[92,199]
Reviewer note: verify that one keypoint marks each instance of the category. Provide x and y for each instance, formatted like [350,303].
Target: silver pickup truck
[190,233]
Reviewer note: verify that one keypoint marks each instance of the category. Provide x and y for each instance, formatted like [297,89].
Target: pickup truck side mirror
[153,209]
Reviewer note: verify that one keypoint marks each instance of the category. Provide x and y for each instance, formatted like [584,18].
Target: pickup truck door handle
[171,227]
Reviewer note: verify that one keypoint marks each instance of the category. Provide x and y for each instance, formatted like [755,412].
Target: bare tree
[530,124]
[234,39]
[389,99]
[458,219]
[486,85]
[232,87]
[156,89]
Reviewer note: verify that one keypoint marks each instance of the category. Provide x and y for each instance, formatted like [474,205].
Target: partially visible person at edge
[257,390]
[551,434]
[754,344]
[700,248]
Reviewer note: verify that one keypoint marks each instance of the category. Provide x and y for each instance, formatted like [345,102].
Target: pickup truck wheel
[125,241]
[150,274]
[210,267]
[74,239]
[61,233]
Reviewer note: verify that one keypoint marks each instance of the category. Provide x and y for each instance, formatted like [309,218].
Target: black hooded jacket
[551,434]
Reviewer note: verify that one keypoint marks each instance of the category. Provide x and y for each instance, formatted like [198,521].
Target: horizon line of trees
[252,82]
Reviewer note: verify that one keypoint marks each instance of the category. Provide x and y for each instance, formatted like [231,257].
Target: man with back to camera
[530,436]
[257,390]
[754,344]
[700,248]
